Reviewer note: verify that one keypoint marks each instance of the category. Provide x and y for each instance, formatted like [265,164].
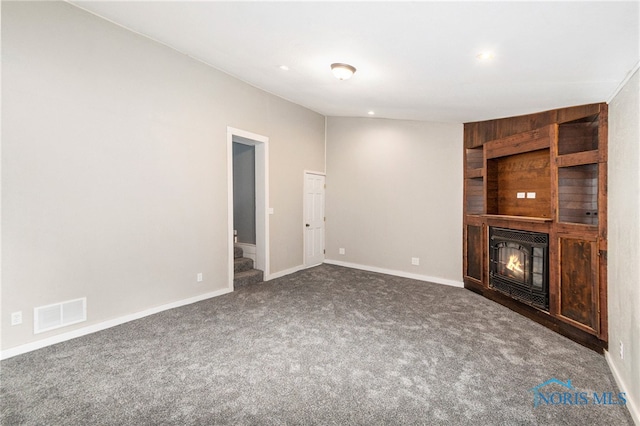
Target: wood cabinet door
[579,293]
[473,267]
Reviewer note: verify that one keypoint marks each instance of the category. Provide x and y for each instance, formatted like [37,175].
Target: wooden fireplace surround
[561,156]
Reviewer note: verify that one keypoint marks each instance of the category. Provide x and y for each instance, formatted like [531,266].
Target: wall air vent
[58,315]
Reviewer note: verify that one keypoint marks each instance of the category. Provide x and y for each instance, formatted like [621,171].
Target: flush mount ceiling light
[343,71]
[485,56]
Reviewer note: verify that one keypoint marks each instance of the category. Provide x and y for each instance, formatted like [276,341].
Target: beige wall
[624,238]
[114,174]
[394,191]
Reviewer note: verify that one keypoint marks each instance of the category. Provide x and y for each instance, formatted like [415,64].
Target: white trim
[262,206]
[18,350]
[396,273]
[630,74]
[230,235]
[304,215]
[285,272]
[325,143]
[261,144]
[633,409]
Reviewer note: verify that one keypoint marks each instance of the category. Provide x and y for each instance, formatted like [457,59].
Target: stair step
[237,252]
[241,264]
[245,278]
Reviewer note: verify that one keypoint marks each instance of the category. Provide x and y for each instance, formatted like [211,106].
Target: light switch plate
[531,195]
[520,195]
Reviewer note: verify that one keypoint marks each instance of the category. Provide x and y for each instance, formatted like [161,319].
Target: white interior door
[313,219]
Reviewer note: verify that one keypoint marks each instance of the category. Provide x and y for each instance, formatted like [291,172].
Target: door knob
[307,225]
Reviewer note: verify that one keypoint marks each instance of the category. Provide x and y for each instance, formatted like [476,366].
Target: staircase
[243,272]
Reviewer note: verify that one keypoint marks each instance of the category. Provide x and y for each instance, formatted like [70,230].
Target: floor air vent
[58,315]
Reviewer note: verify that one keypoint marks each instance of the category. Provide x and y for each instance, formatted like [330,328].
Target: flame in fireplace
[514,264]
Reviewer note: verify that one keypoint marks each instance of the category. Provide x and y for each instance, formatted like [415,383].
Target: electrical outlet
[621,350]
[340,251]
[199,277]
[16,318]
[415,261]
[531,195]
[520,195]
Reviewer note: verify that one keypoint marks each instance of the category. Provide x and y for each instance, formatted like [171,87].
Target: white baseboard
[285,272]
[39,344]
[402,274]
[631,405]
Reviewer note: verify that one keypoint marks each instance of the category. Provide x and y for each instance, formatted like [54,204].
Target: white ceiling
[415,60]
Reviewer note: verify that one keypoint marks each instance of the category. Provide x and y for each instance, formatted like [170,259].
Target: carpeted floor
[328,345]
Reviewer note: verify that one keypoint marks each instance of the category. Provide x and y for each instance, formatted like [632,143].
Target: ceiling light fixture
[343,71]
[284,68]
[371,113]
[485,56]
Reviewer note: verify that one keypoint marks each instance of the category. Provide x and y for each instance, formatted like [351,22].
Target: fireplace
[519,265]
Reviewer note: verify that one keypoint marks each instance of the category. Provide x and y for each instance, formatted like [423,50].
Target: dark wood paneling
[475,159]
[578,137]
[474,190]
[579,294]
[517,144]
[603,144]
[470,135]
[602,285]
[523,123]
[491,187]
[479,132]
[528,172]
[474,252]
[603,133]
[578,158]
[521,223]
[564,115]
[475,134]
[578,194]
[475,173]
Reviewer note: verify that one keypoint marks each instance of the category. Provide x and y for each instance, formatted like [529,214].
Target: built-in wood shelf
[518,218]
[544,172]
[577,159]
[475,173]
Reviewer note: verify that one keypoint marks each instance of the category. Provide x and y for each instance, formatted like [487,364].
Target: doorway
[314,219]
[257,147]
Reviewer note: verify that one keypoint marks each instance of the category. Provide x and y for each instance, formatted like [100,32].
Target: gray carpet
[328,345]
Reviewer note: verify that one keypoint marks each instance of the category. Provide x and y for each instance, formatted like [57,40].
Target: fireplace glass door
[512,261]
[518,265]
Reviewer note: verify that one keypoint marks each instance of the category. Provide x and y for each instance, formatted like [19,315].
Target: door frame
[304,214]
[261,144]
